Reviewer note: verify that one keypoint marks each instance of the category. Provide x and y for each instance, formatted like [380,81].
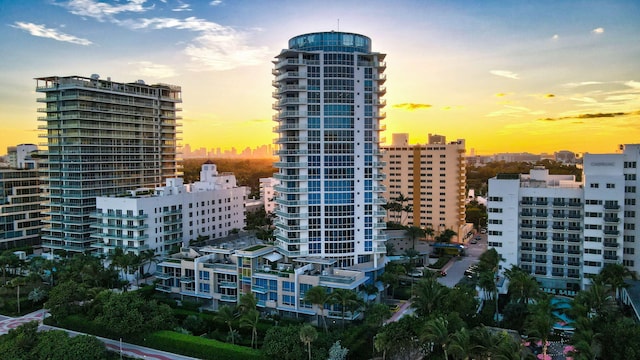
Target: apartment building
[103,138]
[562,230]
[21,217]
[164,218]
[219,275]
[433,179]
[329,88]
[268,194]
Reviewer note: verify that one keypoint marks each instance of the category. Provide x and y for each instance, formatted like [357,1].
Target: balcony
[612,220]
[611,244]
[526,226]
[611,207]
[573,275]
[557,250]
[541,226]
[541,249]
[610,257]
[573,251]
[611,232]
[526,236]
[526,248]
[557,261]
[526,259]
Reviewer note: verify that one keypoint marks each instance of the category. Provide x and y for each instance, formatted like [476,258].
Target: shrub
[199,347]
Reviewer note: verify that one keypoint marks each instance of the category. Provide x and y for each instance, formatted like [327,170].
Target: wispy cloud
[182,7]
[582,83]
[102,11]
[548,96]
[598,31]
[505,73]
[412,106]
[514,111]
[215,2]
[633,84]
[152,70]
[585,99]
[593,116]
[42,31]
[501,94]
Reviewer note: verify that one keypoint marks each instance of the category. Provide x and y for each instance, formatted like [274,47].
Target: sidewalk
[130,350]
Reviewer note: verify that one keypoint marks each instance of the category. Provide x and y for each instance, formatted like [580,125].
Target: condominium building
[20,208]
[329,89]
[563,231]
[219,275]
[432,178]
[20,156]
[171,216]
[103,138]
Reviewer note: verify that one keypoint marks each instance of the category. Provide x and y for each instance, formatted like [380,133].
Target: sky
[506,76]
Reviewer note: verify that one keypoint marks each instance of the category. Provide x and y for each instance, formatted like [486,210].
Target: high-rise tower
[328,101]
[103,138]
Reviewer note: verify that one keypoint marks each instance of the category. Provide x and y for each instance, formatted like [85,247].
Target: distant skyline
[507,76]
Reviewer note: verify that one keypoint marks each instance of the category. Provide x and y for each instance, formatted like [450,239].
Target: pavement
[130,350]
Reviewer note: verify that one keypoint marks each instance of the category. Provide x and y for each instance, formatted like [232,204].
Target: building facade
[433,179]
[20,156]
[268,194]
[563,231]
[103,138]
[329,89]
[170,216]
[20,208]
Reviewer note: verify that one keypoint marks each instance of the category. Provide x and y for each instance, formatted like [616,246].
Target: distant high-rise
[103,138]
[329,96]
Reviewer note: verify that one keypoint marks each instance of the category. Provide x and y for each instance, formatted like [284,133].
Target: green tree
[348,301]
[17,283]
[337,352]
[37,294]
[540,321]
[227,315]
[319,296]
[376,315]
[282,342]
[522,286]
[308,334]
[435,331]
[64,299]
[429,297]
[248,302]
[250,319]
[460,344]
[149,257]
[614,276]
[399,338]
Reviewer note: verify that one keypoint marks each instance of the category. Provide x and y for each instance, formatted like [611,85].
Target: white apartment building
[268,193]
[172,215]
[20,156]
[103,138]
[561,230]
[329,101]
[433,177]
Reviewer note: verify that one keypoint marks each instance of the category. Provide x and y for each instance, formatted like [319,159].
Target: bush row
[199,347]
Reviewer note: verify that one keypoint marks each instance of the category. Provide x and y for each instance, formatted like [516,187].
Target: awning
[273,257]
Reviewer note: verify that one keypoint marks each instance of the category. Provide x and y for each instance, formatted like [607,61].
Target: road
[130,350]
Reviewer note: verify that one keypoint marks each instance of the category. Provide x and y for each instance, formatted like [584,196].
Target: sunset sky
[507,76]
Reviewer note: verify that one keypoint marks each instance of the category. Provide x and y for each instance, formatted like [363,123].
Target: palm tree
[250,319]
[414,232]
[429,296]
[401,199]
[428,232]
[17,282]
[614,276]
[460,344]
[227,315]
[149,257]
[435,331]
[597,300]
[487,282]
[484,343]
[37,294]
[248,302]
[308,334]
[522,286]
[319,296]
[541,320]
[406,209]
[348,301]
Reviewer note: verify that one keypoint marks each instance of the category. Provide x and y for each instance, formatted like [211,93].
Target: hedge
[199,347]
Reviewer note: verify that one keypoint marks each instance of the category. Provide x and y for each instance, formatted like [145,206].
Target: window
[611,186]
[288,286]
[594,185]
[288,300]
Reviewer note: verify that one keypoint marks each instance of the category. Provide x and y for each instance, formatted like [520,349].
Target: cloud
[412,106]
[182,7]
[215,2]
[505,73]
[633,84]
[152,70]
[501,94]
[593,116]
[598,30]
[555,37]
[585,99]
[548,96]
[582,83]
[42,31]
[103,11]
[511,111]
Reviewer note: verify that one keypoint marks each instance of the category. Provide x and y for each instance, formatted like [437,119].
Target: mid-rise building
[268,194]
[171,216]
[103,138]
[329,88]
[563,231]
[20,208]
[432,178]
[20,156]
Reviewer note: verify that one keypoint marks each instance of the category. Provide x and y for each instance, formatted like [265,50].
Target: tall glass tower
[328,102]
